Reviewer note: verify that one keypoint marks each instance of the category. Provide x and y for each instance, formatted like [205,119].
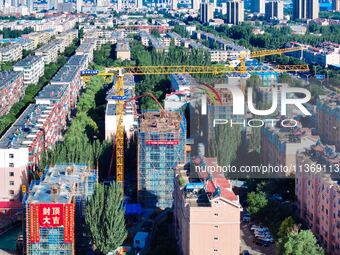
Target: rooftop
[332,100]
[52,92]
[123,45]
[326,155]
[160,121]
[60,183]
[77,60]
[203,186]
[28,61]
[292,135]
[66,74]
[26,128]
[8,77]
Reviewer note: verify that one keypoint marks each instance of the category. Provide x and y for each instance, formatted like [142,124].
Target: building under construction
[161,146]
[54,210]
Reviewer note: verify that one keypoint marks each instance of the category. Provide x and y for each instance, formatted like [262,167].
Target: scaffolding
[161,147]
[67,187]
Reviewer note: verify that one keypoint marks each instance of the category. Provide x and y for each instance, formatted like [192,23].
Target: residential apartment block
[10,53]
[280,144]
[123,50]
[327,53]
[36,130]
[206,211]
[318,194]
[87,47]
[12,89]
[130,116]
[70,76]
[39,38]
[32,67]
[328,119]
[49,51]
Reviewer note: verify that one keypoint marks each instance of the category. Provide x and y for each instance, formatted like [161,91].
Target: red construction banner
[51,215]
[32,223]
[37,227]
[68,223]
[161,142]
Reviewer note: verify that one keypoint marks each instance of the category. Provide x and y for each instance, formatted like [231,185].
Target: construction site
[161,147]
[54,210]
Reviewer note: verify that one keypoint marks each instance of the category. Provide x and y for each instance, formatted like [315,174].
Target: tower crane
[263,53]
[119,72]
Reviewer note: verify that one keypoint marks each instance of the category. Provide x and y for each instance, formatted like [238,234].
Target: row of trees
[30,92]
[9,33]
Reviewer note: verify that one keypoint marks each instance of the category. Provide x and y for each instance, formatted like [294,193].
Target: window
[11,192]
[216,214]
[11,183]
[11,164]
[11,155]
[215,238]
[11,173]
[216,226]
[215,250]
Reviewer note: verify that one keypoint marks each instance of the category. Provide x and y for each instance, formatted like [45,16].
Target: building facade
[55,208]
[206,211]
[280,144]
[32,67]
[328,119]
[274,10]
[235,12]
[318,194]
[161,147]
[12,89]
[305,9]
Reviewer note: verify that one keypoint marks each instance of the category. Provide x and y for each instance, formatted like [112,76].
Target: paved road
[247,243]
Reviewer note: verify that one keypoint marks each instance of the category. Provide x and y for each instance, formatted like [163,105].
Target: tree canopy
[300,243]
[105,218]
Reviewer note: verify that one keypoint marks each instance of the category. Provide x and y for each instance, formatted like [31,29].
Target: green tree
[256,202]
[300,243]
[287,225]
[105,218]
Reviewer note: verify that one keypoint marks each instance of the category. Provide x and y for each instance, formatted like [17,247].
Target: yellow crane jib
[121,98]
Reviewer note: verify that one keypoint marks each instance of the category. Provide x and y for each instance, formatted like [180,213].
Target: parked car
[245,252]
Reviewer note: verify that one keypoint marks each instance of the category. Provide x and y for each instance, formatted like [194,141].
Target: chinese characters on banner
[51,216]
[161,142]
[69,223]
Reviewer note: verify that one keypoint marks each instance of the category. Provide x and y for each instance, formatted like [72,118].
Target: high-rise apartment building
[258,6]
[336,5]
[195,4]
[174,4]
[161,147]
[235,12]
[274,9]
[206,11]
[305,9]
